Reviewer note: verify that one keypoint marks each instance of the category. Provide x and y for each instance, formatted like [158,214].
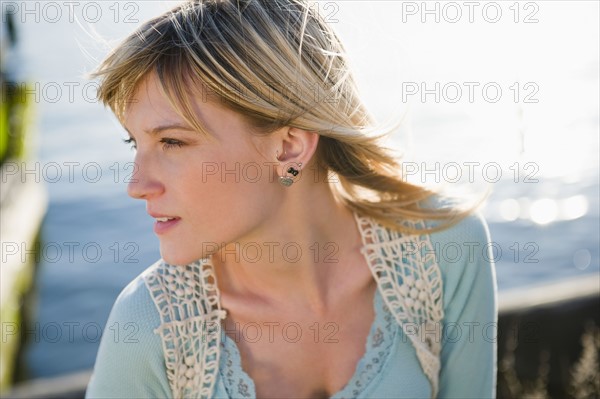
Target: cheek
[219,211]
[232,189]
[220,204]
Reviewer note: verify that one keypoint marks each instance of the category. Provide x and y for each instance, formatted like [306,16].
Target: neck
[298,256]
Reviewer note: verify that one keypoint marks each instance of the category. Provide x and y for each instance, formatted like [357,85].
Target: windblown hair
[279,64]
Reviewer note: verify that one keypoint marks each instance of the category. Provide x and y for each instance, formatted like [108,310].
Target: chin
[177,257]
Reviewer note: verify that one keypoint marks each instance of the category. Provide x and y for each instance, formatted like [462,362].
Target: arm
[468,357]
[130,362]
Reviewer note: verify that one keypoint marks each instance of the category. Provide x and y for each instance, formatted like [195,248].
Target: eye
[130,141]
[171,143]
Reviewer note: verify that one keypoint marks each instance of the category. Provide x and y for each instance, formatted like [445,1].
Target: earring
[287,180]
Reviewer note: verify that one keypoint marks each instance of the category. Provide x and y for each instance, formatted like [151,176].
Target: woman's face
[212,191]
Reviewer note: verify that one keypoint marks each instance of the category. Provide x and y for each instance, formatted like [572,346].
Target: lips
[165,219]
[164,223]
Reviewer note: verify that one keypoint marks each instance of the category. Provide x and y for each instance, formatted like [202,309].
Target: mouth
[165,219]
[163,224]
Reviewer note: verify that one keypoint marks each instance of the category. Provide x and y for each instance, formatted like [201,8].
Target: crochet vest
[187,298]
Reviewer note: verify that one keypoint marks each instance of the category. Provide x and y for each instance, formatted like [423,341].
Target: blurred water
[546,229]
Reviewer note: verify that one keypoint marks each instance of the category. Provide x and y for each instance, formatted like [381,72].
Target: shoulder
[133,317]
[462,241]
[134,303]
[464,254]
[130,359]
[472,230]
[462,251]
[470,313]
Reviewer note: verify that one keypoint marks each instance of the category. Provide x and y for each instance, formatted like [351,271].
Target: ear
[295,145]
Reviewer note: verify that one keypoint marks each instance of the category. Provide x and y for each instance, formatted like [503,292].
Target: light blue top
[131,364]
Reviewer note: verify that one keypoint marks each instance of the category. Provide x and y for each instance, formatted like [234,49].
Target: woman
[296,262]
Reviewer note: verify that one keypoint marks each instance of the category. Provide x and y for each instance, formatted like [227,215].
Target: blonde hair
[278,63]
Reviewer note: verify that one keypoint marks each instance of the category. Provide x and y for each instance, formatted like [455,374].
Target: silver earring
[287,180]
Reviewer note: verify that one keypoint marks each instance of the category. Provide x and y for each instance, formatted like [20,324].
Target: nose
[143,182]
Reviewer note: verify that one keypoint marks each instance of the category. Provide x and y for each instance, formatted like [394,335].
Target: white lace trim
[410,281]
[188,301]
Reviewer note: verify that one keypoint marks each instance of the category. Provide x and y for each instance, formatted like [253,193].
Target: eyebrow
[160,129]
